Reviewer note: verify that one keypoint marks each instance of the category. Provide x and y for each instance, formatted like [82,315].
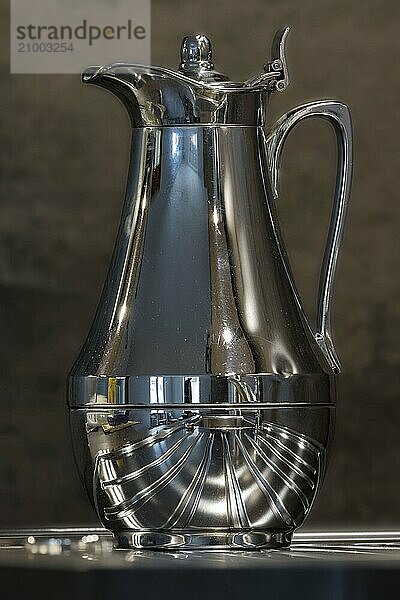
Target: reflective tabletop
[71,561]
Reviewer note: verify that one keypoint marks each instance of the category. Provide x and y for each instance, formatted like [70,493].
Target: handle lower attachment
[338,115]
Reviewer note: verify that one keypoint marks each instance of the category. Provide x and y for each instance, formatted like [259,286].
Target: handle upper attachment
[338,115]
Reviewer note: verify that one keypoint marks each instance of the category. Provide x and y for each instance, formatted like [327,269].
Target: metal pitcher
[202,403]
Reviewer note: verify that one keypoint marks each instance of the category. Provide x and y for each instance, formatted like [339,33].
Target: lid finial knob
[196,54]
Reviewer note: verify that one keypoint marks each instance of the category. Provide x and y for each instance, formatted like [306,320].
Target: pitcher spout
[89,74]
[123,81]
[124,73]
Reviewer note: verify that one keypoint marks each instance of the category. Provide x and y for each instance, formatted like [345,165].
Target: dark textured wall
[63,160]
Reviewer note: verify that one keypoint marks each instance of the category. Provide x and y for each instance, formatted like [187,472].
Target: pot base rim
[202,540]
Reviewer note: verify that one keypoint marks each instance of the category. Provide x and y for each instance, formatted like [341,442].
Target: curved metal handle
[339,116]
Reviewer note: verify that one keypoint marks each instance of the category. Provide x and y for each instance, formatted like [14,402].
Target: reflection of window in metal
[191,390]
[157,390]
[160,417]
[192,153]
[187,390]
[175,144]
[157,417]
[195,383]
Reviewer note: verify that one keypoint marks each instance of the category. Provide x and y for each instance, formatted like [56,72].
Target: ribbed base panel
[184,540]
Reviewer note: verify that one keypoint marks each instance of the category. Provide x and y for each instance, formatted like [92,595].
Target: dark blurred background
[64,156]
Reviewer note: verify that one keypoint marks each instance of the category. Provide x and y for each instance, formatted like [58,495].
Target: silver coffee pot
[202,403]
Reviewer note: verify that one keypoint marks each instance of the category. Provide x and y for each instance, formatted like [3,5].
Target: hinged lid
[196,93]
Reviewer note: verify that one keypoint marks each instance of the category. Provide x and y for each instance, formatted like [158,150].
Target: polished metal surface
[187,478]
[93,548]
[66,563]
[199,283]
[202,403]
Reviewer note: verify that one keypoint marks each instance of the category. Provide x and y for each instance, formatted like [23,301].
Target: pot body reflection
[199,282]
[202,404]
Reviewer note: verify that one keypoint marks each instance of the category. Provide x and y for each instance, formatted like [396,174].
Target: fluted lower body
[202,478]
